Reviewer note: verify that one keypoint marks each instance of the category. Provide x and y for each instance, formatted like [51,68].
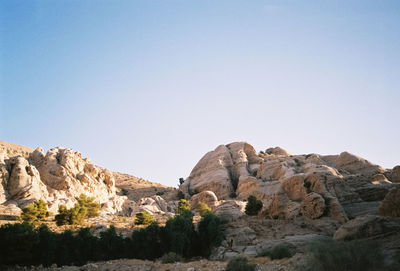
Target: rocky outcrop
[290,185]
[367,226]
[57,177]
[207,197]
[390,205]
[395,175]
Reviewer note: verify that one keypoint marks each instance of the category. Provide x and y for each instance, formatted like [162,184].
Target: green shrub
[357,255]
[240,264]
[179,234]
[203,208]
[35,211]
[183,205]
[74,216]
[181,195]
[209,233]
[85,207]
[253,205]
[92,207]
[143,218]
[171,257]
[278,252]
[233,195]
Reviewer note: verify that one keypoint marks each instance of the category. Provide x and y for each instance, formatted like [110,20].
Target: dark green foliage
[85,207]
[183,205]
[143,218]
[181,195]
[253,205]
[209,233]
[357,255]
[233,195]
[35,211]
[181,181]
[17,243]
[240,264]
[147,242]
[92,207]
[74,216]
[171,257]
[179,233]
[278,252]
[23,244]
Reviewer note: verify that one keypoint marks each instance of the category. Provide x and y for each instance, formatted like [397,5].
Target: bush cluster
[34,212]
[278,252]
[143,218]
[23,244]
[356,255]
[253,205]
[183,205]
[85,207]
[203,208]
[240,264]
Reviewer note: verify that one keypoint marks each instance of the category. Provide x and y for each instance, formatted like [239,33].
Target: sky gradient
[148,87]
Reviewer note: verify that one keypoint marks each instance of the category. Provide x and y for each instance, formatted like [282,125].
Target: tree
[203,209]
[210,233]
[34,212]
[183,205]
[92,207]
[179,234]
[181,181]
[74,216]
[143,218]
[253,205]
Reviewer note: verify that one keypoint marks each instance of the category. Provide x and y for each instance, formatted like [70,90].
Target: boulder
[24,185]
[230,210]
[277,151]
[313,205]
[395,176]
[390,205]
[207,197]
[367,226]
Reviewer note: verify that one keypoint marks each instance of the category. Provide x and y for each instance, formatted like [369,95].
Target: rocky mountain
[304,196]
[62,174]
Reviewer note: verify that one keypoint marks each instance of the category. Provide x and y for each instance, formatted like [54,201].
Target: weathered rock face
[395,176]
[390,205]
[207,197]
[57,177]
[315,186]
[367,226]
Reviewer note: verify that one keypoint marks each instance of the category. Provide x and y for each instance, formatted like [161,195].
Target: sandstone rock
[230,210]
[294,187]
[313,205]
[277,151]
[24,184]
[390,205]
[207,197]
[395,176]
[355,164]
[366,226]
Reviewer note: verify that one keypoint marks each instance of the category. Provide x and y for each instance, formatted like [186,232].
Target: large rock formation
[335,186]
[57,177]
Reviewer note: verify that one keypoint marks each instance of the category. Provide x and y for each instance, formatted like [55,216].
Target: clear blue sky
[148,87]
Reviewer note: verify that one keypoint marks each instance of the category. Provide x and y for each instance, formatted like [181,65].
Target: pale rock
[355,164]
[230,210]
[207,197]
[277,151]
[294,187]
[313,205]
[24,184]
